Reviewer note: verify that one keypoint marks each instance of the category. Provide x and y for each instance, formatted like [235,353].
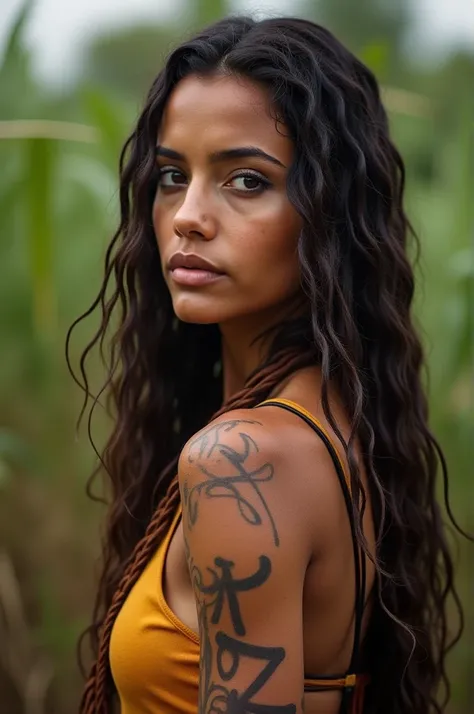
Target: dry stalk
[30,672]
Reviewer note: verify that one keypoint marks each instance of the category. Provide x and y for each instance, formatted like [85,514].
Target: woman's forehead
[222,111]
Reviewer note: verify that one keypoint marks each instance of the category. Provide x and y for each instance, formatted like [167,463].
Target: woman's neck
[246,344]
[240,357]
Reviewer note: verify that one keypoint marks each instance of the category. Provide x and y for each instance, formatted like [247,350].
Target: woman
[274,543]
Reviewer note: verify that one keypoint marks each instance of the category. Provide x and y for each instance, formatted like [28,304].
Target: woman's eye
[245,182]
[168,178]
[250,183]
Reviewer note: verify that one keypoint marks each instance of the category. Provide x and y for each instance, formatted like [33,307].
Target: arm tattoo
[241,703]
[208,443]
[230,651]
[226,586]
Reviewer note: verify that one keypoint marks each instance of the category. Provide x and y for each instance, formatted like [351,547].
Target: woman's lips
[194,276]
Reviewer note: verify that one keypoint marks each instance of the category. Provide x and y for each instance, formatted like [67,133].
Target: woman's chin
[195,311]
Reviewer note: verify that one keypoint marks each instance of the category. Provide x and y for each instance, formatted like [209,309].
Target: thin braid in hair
[263,380]
[95,699]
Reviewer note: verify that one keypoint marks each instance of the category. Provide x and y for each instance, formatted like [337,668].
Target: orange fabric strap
[352,685]
[349,681]
[317,423]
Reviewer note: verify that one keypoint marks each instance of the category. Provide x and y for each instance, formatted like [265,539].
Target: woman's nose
[194,217]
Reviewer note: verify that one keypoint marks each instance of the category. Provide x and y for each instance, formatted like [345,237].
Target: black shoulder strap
[359,555]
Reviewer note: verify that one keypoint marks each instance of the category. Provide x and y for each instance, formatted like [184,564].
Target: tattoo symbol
[224,653]
[218,486]
[226,586]
[208,439]
[216,698]
[241,703]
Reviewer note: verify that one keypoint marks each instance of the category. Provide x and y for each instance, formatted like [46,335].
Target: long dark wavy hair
[347,184]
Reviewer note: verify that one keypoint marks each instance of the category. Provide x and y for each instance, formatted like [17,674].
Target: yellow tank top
[154,657]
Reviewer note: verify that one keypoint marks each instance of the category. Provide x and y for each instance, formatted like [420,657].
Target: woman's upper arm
[247,563]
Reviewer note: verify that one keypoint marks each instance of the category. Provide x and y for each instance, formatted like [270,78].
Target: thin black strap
[359,555]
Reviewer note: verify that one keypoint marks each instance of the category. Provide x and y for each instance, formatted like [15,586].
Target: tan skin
[207,208]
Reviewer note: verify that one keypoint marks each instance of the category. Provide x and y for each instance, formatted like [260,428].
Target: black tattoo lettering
[211,598]
[208,440]
[234,476]
[241,703]
[226,586]
[219,486]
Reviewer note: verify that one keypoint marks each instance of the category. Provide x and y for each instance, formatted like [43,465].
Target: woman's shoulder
[268,431]
[265,457]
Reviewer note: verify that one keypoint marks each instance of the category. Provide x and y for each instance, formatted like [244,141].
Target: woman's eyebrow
[241,152]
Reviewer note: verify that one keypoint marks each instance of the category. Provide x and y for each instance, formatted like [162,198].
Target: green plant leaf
[376,56]
[40,159]
[14,45]
[207,11]
[108,116]
[13,449]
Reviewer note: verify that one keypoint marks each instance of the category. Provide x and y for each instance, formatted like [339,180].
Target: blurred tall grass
[58,208]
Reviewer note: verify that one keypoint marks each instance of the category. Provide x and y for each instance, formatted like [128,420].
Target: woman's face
[219,202]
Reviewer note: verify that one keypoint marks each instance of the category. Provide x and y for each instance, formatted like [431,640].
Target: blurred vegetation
[58,208]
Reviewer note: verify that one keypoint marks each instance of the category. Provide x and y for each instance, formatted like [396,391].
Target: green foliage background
[58,208]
